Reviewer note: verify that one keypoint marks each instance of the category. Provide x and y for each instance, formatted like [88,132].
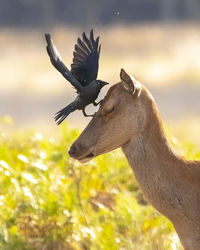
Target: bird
[83,73]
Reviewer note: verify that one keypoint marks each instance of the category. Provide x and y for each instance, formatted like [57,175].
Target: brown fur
[169,182]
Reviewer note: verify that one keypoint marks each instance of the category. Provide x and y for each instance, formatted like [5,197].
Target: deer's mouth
[83,155]
[85,158]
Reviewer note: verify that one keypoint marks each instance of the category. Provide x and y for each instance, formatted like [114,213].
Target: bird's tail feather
[63,113]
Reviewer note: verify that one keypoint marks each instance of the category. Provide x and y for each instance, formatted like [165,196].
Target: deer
[129,118]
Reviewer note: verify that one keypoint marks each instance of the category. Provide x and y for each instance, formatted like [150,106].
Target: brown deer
[128,118]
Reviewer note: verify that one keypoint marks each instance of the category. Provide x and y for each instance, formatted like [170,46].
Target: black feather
[78,56]
[56,60]
[92,39]
[63,113]
[97,43]
[80,51]
[83,46]
[87,41]
[85,69]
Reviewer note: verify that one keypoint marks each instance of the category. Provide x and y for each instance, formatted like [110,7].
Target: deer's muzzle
[81,153]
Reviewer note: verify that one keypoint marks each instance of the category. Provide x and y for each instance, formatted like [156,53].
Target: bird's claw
[97,103]
[86,115]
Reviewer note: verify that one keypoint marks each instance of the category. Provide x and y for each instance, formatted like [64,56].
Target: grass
[49,201]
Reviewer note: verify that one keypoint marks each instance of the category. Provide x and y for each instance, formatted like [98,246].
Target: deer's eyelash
[101,102]
[109,111]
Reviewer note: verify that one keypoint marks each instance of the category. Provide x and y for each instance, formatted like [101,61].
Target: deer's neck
[164,177]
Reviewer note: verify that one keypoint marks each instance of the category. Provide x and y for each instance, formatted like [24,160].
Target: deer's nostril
[72,151]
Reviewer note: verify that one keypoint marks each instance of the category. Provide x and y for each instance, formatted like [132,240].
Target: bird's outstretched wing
[59,65]
[86,59]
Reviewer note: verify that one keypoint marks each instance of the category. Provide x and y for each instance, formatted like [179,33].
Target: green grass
[49,201]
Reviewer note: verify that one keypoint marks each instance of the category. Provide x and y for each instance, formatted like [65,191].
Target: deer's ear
[130,83]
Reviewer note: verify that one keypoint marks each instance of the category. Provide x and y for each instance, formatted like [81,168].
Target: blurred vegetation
[49,201]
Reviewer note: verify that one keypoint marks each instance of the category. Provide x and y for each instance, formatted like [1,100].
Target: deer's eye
[108,111]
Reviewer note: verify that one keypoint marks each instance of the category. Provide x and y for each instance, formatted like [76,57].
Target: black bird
[83,74]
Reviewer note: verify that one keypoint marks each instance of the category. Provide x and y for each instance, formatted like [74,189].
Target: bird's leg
[84,113]
[97,103]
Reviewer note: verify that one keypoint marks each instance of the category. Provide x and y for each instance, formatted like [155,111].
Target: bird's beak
[104,83]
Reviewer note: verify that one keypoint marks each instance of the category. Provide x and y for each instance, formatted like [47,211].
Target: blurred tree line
[86,12]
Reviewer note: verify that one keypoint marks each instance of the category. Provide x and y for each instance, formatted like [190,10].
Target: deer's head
[120,118]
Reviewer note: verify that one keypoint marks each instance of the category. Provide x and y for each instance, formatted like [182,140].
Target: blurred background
[158,41]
